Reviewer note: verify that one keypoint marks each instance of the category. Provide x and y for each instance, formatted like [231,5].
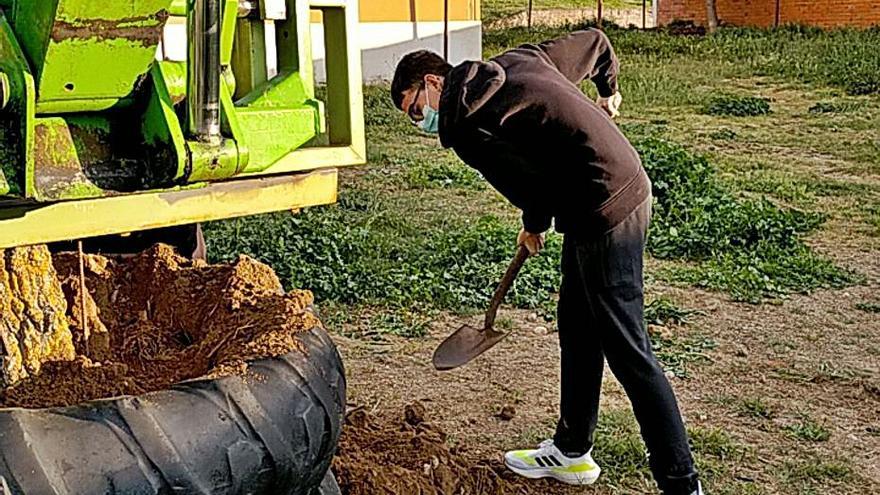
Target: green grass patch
[868,307]
[807,473]
[750,248]
[620,451]
[755,408]
[724,134]
[809,430]
[737,106]
[664,311]
[845,58]
[678,355]
[824,107]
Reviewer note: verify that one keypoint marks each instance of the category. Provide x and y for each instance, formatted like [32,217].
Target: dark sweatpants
[601,307]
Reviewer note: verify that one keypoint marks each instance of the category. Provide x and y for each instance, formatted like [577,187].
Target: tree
[711,15]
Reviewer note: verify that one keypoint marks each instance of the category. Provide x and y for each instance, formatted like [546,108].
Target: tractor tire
[271,430]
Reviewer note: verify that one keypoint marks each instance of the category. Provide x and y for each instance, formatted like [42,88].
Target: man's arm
[585,54]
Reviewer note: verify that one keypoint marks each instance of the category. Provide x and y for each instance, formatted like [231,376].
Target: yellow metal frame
[117,215]
[306,177]
[345,99]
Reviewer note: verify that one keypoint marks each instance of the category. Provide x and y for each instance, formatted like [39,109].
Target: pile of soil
[156,319]
[409,456]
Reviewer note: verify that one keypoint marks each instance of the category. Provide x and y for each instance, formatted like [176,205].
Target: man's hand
[533,242]
[611,105]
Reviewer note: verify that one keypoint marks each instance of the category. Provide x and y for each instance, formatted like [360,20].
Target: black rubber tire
[327,487]
[272,430]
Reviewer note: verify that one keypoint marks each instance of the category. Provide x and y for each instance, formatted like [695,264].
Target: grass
[808,430]
[737,106]
[756,408]
[748,247]
[868,307]
[666,69]
[806,474]
[621,452]
[739,203]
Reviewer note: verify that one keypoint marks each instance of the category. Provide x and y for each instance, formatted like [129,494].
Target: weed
[715,453]
[868,307]
[748,247]
[756,408]
[815,471]
[809,430]
[505,322]
[663,311]
[822,107]
[737,106]
[405,323]
[723,134]
[676,354]
[619,448]
[622,454]
[341,255]
[845,58]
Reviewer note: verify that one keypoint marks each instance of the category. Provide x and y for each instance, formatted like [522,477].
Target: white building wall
[384,43]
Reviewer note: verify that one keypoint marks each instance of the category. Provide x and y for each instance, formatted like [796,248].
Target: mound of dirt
[153,320]
[409,456]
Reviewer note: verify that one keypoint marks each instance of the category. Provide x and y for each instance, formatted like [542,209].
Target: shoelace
[545,443]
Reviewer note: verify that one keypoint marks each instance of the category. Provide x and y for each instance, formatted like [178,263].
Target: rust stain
[145,30]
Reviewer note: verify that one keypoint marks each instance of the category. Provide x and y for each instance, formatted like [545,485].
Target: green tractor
[124,115]
[119,116]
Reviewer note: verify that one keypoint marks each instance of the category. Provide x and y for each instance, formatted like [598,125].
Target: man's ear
[434,81]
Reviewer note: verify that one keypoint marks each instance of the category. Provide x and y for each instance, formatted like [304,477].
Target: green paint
[90,9]
[227,31]
[72,43]
[76,73]
[272,133]
[178,8]
[174,74]
[160,126]
[13,119]
[211,162]
[4,185]
[230,126]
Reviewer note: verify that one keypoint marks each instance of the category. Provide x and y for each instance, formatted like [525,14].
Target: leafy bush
[748,247]
[335,252]
[358,251]
[737,106]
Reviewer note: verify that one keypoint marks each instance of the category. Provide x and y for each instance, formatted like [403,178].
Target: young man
[521,120]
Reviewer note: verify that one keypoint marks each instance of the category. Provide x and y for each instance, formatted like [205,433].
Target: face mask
[431,122]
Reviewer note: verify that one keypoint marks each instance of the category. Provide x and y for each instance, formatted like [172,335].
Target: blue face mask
[431,122]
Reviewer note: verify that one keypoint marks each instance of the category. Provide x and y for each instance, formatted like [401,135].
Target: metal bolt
[246,7]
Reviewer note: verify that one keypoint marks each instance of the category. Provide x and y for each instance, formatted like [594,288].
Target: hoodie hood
[466,89]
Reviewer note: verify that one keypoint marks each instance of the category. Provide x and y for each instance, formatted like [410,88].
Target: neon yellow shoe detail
[548,462]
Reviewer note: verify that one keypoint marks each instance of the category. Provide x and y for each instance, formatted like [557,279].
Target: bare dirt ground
[809,357]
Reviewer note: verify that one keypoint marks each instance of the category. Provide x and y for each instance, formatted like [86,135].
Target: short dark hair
[412,69]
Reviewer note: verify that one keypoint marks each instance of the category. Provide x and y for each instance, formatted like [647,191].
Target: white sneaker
[548,462]
[699,490]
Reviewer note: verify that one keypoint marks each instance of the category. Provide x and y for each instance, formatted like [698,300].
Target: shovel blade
[464,345]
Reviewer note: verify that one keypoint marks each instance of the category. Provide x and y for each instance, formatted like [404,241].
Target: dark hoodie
[521,120]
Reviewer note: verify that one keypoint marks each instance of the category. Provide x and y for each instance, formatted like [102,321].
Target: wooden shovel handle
[509,276]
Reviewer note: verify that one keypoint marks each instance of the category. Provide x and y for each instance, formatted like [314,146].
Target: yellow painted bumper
[116,215]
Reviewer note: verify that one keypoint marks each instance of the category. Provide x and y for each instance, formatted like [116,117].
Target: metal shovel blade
[464,345]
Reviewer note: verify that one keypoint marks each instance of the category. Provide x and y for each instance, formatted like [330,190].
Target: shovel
[469,342]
